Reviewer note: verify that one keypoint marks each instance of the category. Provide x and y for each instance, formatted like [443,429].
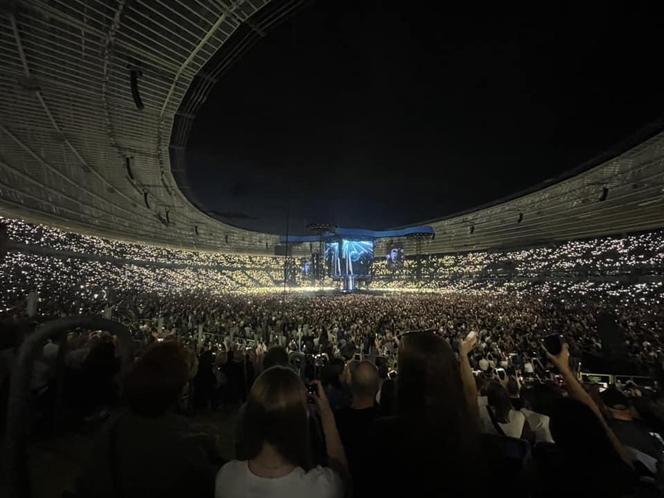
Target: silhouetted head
[156,380]
[276,413]
[275,356]
[499,401]
[364,382]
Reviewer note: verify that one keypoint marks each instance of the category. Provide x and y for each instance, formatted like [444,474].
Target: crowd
[447,387]
[434,426]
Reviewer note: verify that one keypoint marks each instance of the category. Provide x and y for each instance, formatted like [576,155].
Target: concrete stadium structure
[96,102]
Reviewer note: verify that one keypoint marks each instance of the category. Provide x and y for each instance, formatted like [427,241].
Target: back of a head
[364,381]
[275,356]
[541,398]
[499,401]
[330,373]
[436,423]
[348,371]
[429,386]
[590,459]
[513,387]
[614,399]
[156,380]
[276,413]
[577,430]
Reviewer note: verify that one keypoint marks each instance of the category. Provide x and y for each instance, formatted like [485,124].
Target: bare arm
[576,391]
[467,377]
[335,449]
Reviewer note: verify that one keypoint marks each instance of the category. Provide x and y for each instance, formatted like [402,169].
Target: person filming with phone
[278,447]
[588,452]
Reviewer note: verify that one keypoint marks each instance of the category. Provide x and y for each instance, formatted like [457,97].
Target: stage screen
[349,257]
[394,257]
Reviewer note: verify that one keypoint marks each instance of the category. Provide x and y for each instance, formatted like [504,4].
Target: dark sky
[379,114]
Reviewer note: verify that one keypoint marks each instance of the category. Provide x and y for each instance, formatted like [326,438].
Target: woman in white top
[497,415]
[276,432]
[539,400]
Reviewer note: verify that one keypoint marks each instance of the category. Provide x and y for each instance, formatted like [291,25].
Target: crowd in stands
[387,394]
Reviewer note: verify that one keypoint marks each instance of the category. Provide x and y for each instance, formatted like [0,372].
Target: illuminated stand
[346,254]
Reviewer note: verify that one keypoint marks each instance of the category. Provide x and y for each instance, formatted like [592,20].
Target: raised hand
[468,344]
[561,360]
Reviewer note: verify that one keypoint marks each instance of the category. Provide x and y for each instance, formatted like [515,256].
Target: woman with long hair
[498,416]
[277,445]
[431,446]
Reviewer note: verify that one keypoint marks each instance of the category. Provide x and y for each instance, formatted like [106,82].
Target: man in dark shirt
[354,422]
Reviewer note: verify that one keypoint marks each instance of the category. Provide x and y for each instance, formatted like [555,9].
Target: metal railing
[15,479]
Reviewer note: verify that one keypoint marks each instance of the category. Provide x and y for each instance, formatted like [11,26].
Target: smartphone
[502,375]
[471,335]
[312,389]
[553,344]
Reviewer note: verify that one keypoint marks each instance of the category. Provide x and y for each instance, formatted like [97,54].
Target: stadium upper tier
[96,98]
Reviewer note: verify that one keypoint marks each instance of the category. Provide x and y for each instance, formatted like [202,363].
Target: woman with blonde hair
[276,441]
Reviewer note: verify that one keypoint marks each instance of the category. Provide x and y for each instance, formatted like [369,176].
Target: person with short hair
[498,416]
[278,449]
[355,420]
[625,422]
[150,451]
[276,355]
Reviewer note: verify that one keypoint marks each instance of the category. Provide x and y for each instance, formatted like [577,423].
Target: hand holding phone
[553,344]
[561,360]
[467,345]
[320,398]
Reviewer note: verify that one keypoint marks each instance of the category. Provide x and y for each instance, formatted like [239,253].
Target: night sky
[368,114]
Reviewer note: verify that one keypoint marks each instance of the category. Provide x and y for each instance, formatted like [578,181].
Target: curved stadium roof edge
[96,103]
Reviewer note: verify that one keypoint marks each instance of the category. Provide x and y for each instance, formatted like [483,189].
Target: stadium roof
[96,99]
[76,148]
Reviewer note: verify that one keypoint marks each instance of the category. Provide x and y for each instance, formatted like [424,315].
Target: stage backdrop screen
[349,257]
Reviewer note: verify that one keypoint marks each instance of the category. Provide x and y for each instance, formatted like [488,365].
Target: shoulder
[517,416]
[231,469]
[229,478]
[323,481]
